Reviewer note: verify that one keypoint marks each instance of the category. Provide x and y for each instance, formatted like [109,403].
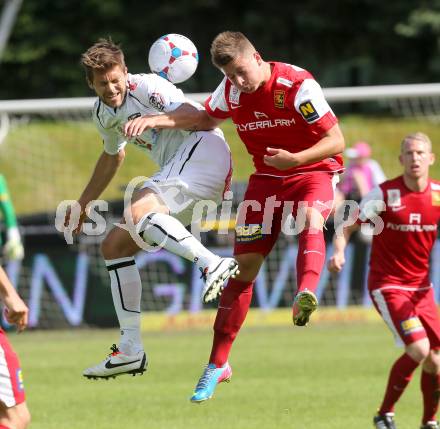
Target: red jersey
[288,112]
[400,253]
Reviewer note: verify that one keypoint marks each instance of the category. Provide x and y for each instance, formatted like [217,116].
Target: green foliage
[326,376]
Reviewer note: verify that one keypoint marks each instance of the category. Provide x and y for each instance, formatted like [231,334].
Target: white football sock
[166,231]
[126,289]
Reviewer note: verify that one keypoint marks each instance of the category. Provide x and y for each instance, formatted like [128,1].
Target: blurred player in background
[13,247]
[282,117]
[14,413]
[361,174]
[399,284]
[194,166]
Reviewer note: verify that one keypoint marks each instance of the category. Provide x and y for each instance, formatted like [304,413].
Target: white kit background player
[194,166]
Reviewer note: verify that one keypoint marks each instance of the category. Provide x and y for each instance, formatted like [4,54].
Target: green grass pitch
[326,376]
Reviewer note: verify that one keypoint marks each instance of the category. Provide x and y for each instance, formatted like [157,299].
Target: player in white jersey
[194,166]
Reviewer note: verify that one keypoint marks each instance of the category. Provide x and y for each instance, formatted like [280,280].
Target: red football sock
[430,385]
[4,427]
[310,259]
[232,309]
[400,376]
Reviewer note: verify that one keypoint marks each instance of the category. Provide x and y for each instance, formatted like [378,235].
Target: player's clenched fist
[336,262]
[16,311]
[74,218]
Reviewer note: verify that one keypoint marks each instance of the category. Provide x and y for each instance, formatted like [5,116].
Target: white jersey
[147,94]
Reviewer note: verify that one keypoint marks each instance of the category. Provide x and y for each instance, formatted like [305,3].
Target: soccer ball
[173,57]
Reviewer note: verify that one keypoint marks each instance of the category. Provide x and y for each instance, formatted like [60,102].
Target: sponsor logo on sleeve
[308,111]
[279,97]
[435,198]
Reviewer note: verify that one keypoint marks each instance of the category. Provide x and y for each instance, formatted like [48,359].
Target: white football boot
[215,276]
[118,363]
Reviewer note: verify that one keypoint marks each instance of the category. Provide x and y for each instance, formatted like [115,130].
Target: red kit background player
[406,210]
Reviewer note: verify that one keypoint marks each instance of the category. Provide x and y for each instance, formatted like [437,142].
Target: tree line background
[342,42]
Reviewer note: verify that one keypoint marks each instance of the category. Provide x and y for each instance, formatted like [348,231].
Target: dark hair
[103,55]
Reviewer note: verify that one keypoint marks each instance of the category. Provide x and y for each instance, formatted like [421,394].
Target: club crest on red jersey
[278,97]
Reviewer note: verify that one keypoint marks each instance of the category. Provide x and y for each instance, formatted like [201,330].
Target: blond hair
[416,136]
[103,55]
[227,46]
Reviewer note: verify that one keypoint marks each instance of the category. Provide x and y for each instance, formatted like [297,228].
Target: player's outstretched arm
[340,241]
[186,117]
[16,310]
[105,169]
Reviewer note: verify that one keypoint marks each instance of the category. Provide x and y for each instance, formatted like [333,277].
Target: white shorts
[201,169]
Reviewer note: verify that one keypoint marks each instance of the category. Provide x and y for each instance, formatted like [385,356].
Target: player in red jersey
[14,413]
[407,210]
[282,117]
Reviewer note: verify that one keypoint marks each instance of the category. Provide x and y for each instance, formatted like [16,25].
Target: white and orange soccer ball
[173,57]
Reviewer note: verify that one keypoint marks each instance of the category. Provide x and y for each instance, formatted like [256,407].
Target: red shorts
[410,314]
[264,206]
[11,379]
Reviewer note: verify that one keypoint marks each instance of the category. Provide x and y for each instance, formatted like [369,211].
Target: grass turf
[326,376]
